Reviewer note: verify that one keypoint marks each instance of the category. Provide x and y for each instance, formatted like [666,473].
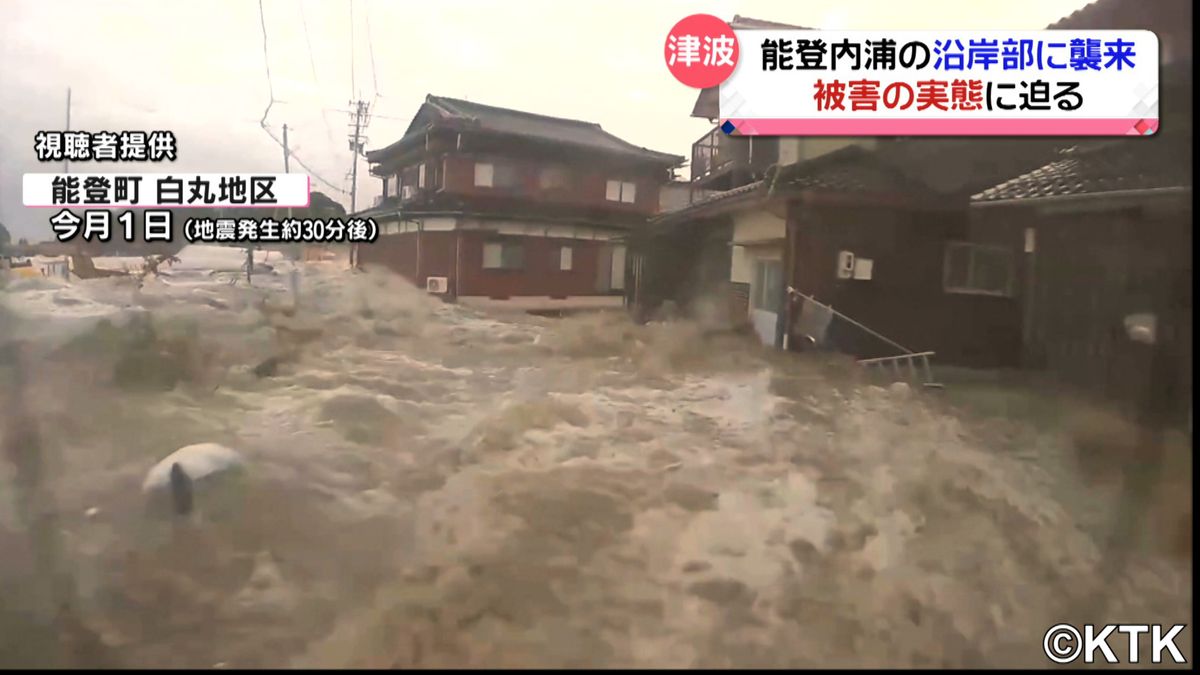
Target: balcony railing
[714,152]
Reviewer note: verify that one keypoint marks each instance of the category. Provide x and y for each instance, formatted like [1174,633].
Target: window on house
[553,177]
[978,268]
[483,174]
[620,191]
[565,255]
[768,285]
[506,176]
[503,255]
[421,176]
[493,175]
[409,181]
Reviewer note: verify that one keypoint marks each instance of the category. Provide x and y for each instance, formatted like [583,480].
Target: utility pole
[357,141]
[285,151]
[287,169]
[66,163]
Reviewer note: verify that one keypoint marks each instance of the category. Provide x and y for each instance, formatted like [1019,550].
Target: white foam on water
[435,487]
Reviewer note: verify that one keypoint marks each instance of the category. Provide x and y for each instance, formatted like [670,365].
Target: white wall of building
[792,150]
[757,236]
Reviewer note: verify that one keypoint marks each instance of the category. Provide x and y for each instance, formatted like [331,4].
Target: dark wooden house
[488,204]
[891,209]
[1103,232]
[769,213]
[900,206]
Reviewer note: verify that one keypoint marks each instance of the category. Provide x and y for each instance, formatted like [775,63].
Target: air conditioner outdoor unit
[845,269]
[439,285]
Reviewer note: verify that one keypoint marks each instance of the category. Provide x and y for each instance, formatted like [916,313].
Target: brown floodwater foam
[430,486]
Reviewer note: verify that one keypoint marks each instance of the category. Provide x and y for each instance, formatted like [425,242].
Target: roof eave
[712,208]
[1110,194]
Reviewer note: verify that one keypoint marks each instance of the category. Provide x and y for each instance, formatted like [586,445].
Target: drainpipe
[457,263]
[789,267]
[771,178]
[417,271]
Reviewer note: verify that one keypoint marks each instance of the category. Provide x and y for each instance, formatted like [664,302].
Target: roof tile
[535,126]
[1125,164]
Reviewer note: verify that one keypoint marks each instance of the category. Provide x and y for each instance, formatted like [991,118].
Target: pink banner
[944,127]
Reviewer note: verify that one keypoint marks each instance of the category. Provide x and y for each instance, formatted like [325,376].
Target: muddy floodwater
[429,486]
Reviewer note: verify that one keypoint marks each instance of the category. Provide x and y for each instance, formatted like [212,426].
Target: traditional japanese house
[749,231]
[877,228]
[863,229]
[1101,233]
[488,204]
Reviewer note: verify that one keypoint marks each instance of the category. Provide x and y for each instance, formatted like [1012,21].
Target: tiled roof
[740,22]
[1116,166]
[956,168]
[852,169]
[1086,14]
[529,125]
[746,191]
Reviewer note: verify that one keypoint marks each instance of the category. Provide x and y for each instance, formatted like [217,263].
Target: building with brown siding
[488,204]
[1103,232]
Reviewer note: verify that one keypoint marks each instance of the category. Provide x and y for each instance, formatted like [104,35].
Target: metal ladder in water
[898,364]
[922,374]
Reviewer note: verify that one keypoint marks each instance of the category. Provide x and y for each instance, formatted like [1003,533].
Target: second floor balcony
[712,153]
[718,154]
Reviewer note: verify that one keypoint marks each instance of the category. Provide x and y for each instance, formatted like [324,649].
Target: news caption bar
[176,190]
[99,197]
[956,83]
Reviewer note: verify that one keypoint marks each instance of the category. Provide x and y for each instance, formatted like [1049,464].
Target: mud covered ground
[432,487]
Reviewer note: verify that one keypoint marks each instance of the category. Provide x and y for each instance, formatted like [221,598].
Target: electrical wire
[353,84]
[312,62]
[306,167]
[266,61]
[371,48]
[271,90]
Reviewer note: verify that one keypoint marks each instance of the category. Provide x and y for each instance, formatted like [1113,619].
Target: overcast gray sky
[198,68]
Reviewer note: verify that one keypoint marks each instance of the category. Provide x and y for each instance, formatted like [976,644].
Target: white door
[765,292]
[617,282]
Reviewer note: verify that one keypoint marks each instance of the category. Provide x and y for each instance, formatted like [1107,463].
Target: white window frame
[485,173]
[624,192]
[495,261]
[761,289]
[493,255]
[421,176]
[972,288]
[553,177]
[566,259]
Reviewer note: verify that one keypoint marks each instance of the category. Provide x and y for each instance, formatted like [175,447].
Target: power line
[311,62]
[353,84]
[371,47]
[267,61]
[306,167]
[373,115]
[271,90]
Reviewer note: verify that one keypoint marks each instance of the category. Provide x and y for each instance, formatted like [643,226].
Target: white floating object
[1142,328]
[197,461]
